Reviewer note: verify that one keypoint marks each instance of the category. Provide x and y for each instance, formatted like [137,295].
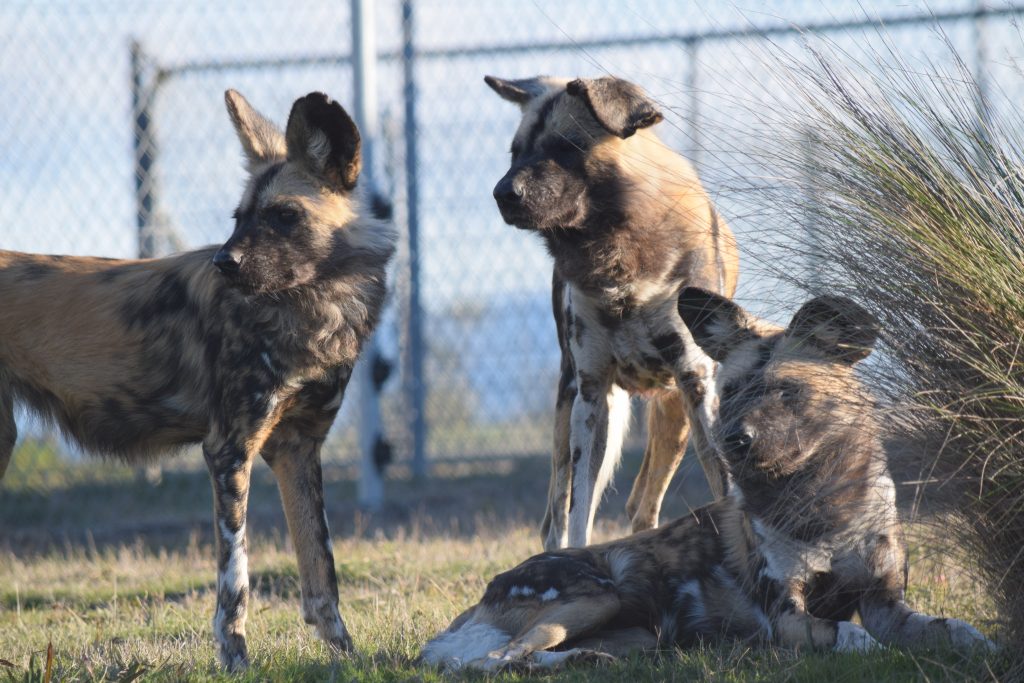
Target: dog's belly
[639,366]
[644,381]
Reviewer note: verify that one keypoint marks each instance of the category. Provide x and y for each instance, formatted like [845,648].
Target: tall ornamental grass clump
[913,198]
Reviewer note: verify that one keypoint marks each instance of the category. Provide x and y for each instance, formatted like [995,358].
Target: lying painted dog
[807,537]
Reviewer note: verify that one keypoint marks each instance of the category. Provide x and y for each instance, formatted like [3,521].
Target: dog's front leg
[555,529]
[600,413]
[293,453]
[793,626]
[229,459]
[695,375]
[892,621]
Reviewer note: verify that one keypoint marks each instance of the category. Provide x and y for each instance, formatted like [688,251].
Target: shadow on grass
[98,506]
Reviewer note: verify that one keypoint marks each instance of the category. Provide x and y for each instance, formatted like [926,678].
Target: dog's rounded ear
[621,107]
[518,91]
[324,138]
[840,328]
[716,323]
[261,140]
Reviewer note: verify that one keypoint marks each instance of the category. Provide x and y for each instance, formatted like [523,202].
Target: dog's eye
[283,218]
[789,393]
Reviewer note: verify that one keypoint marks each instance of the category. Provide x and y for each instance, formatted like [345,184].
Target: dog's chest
[637,349]
[843,555]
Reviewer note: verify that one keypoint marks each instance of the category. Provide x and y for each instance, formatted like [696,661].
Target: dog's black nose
[739,440]
[227,261]
[506,192]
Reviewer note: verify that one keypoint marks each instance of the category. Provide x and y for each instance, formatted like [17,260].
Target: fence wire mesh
[114,142]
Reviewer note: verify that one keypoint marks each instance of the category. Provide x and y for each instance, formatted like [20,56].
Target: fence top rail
[685,39]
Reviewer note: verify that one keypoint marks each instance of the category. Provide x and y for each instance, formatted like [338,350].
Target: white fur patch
[235,577]
[553,660]
[520,591]
[233,580]
[965,637]
[619,561]
[549,595]
[327,532]
[473,642]
[853,638]
[787,558]
[581,517]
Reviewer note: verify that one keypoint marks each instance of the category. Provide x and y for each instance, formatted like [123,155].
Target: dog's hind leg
[561,622]
[667,431]
[8,428]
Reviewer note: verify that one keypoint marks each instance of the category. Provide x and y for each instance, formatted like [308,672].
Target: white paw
[853,638]
[498,660]
[963,636]
[553,660]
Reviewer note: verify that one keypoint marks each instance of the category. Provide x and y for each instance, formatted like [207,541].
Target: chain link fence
[114,141]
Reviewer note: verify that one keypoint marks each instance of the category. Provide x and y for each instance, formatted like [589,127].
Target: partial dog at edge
[628,223]
[246,348]
[807,536]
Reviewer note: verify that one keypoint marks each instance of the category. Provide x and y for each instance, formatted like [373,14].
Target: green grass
[124,602]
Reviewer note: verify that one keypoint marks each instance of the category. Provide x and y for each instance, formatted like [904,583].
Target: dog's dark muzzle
[738,441]
[508,194]
[228,261]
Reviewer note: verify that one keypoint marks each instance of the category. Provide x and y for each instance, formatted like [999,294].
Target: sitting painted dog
[807,536]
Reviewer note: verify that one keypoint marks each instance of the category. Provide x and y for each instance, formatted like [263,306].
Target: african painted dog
[628,223]
[246,348]
[807,536]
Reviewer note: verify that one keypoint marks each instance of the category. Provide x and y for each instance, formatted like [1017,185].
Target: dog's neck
[826,496]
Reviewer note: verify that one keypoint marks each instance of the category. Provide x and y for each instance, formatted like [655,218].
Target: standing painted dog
[246,348]
[628,223]
[807,536]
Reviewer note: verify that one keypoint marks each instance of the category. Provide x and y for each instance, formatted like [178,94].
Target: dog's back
[111,351]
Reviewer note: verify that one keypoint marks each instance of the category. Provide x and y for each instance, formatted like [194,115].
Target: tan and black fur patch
[246,348]
[628,223]
[807,537]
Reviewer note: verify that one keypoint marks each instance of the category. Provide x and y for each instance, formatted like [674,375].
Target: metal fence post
[413,359]
[372,444]
[144,86]
[144,144]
